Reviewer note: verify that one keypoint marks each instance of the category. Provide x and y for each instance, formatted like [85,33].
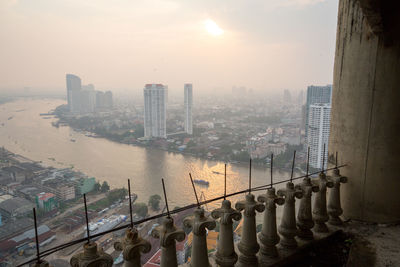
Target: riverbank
[34,137]
[108,125]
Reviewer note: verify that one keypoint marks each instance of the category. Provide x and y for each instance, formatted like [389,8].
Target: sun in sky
[212,27]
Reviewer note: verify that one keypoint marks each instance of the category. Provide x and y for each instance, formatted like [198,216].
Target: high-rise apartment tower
[188,95]
[155,110]
[317,95]
[318,133]
[74,86]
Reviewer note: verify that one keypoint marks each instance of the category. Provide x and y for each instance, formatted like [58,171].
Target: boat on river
[105,224]
[201,182]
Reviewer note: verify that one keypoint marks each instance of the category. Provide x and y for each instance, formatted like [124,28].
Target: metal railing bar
[257,188]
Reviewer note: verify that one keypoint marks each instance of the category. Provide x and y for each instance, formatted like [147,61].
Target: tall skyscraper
[155,110]
[74,86]
[87,100]
[188,94]
[287,96]
[317,95]
[318,133]
[108,99]
[300,97]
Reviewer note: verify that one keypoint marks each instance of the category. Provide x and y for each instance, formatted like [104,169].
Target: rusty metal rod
[225,183]
[258,188]
[130,202]
[194,189]
[165,197]
[294,158]
[87,219]
[36,237]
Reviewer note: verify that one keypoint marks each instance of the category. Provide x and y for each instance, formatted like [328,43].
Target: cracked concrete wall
[365,119]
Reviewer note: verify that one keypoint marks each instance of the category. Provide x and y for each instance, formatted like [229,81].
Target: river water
[27,133]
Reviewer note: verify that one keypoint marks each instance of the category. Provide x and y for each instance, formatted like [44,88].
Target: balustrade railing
[253,250]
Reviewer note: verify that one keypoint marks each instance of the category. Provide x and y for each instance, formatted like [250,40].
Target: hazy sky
[261,44]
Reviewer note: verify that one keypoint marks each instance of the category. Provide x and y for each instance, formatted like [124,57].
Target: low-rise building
[84,185]
[266,150]
[64,189]
[16,227]
[26,239]
[28,192]
[5,197]
[65,192]
[18,174]
[5,178]
[46,201]
[15,207]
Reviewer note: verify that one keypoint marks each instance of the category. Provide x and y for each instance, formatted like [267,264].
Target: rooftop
[16,204]
[15,227]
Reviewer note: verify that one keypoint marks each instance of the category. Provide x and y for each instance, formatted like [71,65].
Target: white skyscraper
[87,100]
[155,110]
[74,87]
[318,133]
[188,94]
[317,95]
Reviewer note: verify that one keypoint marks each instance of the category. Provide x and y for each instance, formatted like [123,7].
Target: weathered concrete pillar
[132,246]
[91,257]
[320,214]
[288,228]
[334,206]
[199,222]
[168,233]
[226,256]
[365,116]
[248,245]
[304,215]
[269,237]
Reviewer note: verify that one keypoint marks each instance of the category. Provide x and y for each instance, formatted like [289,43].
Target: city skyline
[202,42]
[84,98]
[285,155]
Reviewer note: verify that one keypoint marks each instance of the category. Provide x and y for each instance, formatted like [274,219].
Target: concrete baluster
[334,206]
[320,214]
[199,222]
[132,246]
[168,233]
[91,256]
[248,245]
[287,228]
[269,237]
[304,216]
[225,255]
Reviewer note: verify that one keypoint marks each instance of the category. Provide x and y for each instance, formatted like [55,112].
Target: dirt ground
[374,244]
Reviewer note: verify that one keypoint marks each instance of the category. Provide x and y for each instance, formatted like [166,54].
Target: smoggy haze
[261,44]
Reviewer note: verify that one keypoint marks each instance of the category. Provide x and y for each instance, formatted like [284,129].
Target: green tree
[154,202]
[117,194]
[285,159]
[97,187]
[62,206]
[105,187]
[139,131]
[140,209]
[243,156]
